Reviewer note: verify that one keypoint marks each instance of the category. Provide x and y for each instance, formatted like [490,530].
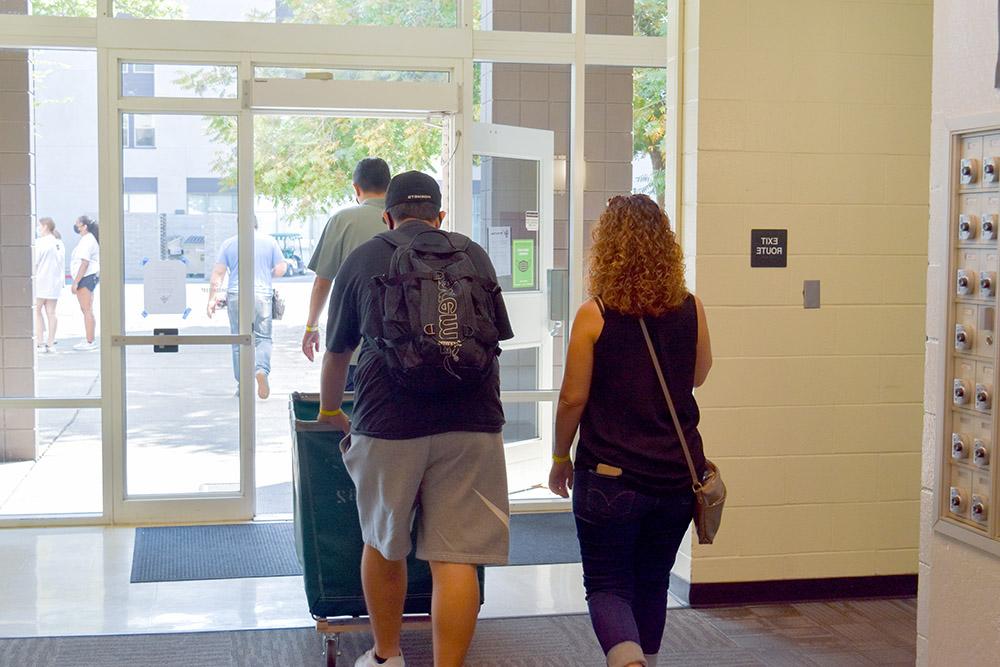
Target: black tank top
[626,422]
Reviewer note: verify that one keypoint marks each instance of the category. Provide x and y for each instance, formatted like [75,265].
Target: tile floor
[75,581]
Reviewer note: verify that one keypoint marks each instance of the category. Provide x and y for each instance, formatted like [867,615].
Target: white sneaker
[368,660]
[84,346]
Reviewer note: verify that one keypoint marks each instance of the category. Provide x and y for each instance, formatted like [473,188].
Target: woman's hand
[561,478]
[74,288]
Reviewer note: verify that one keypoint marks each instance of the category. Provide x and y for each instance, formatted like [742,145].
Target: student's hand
[212,305]
[74,288]
[339,422]
[561,478]
[310,343]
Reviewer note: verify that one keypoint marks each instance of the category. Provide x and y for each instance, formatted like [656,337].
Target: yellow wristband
[560,459]
[331,413]
[310,329]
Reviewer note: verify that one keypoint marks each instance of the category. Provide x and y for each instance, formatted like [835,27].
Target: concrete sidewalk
[182,414]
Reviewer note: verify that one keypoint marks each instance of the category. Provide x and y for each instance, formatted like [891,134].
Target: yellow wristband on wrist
[331,413]
[560,459]
[310,329]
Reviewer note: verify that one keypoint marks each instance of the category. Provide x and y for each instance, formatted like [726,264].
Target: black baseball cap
[413,187]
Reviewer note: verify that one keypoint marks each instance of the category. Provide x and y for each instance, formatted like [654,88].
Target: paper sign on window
[165,287]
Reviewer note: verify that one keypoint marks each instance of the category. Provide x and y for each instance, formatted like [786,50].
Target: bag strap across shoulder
[695,482]
[457,242]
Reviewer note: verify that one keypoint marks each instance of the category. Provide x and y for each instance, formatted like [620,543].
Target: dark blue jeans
[629,541]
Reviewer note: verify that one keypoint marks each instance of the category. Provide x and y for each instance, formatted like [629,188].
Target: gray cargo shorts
[453,484]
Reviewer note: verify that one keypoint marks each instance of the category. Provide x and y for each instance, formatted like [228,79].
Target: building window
[138,80]
[138,131]
[140,195]
[210,195]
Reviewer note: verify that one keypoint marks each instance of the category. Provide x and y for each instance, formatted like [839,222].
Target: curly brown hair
[636,265]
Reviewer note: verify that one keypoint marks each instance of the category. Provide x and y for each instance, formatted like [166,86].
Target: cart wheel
[330,651]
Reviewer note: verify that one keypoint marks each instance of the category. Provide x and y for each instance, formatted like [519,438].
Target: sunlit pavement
[182,414]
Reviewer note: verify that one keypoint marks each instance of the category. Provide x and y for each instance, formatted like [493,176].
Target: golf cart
[291,248]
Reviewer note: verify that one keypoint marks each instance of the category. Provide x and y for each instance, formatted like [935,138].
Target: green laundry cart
[328,533]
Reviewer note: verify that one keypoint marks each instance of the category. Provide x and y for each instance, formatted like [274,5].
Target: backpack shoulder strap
[388,237]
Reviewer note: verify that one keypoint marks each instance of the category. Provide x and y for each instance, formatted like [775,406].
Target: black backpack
[432,316]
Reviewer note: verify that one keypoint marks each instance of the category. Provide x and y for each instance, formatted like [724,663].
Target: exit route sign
[769,248]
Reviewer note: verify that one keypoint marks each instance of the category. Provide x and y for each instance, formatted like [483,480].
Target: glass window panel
[508,189]
[182,423]
[50,462]
[78,8]
[140,203]
[49,130]
[529,458]
[536,97]
[407,13]
[145,137]
[200,204]
[350,74]
[162,235]
[519,372]
[626,135]
[184,81]
[610,17]
[646,18]
[137,84]
[139,131]
[552,16]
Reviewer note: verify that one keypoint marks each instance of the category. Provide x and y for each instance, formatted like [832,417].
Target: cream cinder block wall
[811,116]
[959,585]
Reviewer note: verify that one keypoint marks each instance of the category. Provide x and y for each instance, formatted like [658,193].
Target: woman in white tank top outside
[50,277]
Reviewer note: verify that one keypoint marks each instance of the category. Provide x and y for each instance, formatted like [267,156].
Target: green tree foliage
[304,164]
[163,9]
[649,100]
[649,125]
[408,13]
[651,18]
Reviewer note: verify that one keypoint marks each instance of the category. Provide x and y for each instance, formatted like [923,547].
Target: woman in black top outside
[632,494]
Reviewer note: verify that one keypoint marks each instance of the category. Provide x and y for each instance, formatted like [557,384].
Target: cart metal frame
[330,630]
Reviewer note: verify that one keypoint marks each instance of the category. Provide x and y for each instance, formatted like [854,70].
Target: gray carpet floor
[872,632]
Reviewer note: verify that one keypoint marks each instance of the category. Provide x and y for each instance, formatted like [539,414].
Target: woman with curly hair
[631,485]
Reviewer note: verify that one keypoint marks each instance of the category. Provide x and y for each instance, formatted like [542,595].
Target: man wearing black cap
[408,441]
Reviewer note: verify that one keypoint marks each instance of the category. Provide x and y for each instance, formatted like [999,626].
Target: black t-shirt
[383,409]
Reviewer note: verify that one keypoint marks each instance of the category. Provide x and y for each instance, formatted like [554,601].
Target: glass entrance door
[295,213]
[311,125]
[185,294]
[214,191]
[512,219]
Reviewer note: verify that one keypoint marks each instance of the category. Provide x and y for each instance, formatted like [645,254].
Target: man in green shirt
[344,232]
